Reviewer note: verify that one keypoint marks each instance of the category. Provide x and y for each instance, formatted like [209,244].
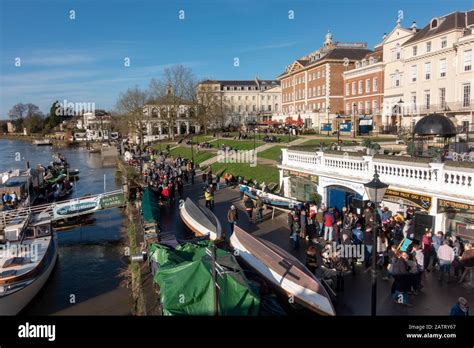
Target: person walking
[427,249]
[259,207]
[328,225]
[249,205]
[232,217]
[303,224]
[446,258]
[208,197]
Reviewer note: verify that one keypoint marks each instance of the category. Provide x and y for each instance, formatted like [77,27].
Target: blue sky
[82,60]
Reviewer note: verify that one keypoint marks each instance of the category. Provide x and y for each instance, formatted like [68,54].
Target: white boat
[271,199]
[26,262]
[282,270]
[42,142]
[201,221]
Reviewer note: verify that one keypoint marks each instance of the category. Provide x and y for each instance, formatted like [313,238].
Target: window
[353,88]
[442,68]
[466,96]
[396,80]
[324,89]
[348,89]
[367,107]
[413,73]
[398,52]
[360,87]
[427,70]
[240,97]
[323,73]
[444,42]
[348,108]
[428,46]
[374,84]
[375,107]
[319,74]
[254,107]
[427,99]
[413,101]
[367,86]
[467,60]
[232,98]
[359,108]
[414,50]
[246,97]
[442,98]
[319,90]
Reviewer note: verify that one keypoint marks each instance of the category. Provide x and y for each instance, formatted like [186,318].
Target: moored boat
[26,262]
[272,200]
[201,221]
[282,270]
[43,142]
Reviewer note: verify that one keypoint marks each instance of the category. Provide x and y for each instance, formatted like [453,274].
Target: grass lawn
[185,152]
[273,153]
[262,173]
[237,144]
[202,138]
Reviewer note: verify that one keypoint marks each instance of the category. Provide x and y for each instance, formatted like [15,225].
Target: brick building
[363,93]
[313,86]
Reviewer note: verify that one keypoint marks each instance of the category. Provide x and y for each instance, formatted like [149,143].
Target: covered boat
[26,262]
[150,208]
[201,221]
[187,287]
[283,270]
[271,200]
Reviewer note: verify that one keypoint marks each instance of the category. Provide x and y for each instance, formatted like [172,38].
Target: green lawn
[238,144]
[325,142]
[185,152]
[273,153]
[260,172]
[202,138]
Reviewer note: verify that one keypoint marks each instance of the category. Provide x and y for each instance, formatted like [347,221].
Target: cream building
[245,101]
[438,70]
[394,74]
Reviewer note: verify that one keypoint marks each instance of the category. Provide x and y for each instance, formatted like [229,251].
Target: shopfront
[459,218]
[340,193]
[302,185]
[399,200]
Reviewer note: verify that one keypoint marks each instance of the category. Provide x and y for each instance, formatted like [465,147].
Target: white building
[96,125]
[441,193]
[245,100]
[438,67]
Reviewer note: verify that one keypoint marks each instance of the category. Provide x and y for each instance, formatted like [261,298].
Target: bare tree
[130,105]
[18,111]
[175,89]
[211,107]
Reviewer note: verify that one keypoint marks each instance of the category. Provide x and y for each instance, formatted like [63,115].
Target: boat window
[43,230]
[29,233]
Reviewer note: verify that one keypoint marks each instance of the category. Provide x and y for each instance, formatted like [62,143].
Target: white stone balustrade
[422,177]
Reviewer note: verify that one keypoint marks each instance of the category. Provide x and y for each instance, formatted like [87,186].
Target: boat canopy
[150,207]
[186,286]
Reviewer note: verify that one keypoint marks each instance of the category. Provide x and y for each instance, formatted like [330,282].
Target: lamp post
[375,190]
[328,108]
[338,117]
[400,112]
[354,123]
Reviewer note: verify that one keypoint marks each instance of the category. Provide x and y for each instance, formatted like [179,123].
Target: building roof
[242,82]
[446,23]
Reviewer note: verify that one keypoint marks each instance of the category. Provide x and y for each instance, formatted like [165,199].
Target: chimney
[413,27]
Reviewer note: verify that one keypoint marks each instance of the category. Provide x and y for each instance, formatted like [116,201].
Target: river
[86,280]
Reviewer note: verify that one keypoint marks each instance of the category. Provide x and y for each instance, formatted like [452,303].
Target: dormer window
[371,60]
[357,64]
[434,23]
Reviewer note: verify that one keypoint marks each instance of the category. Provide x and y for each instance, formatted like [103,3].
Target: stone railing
[423,176]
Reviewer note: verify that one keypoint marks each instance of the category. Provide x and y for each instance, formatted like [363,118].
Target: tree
[211,108]
[54,117]
[17,114]
[130,106]
[176,88]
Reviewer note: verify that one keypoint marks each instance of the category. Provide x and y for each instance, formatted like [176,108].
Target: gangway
[66,209]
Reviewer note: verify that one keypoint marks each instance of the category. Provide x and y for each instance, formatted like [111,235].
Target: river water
[86,279]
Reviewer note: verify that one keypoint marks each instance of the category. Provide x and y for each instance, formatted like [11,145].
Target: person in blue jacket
[460,309]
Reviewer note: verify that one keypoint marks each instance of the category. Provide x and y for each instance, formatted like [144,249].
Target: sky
[82,60]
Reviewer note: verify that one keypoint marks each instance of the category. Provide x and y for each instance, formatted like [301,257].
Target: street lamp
[354,123]
[338,117]
[375,190]
[400,112]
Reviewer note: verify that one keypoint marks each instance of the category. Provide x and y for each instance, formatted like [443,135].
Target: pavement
[435,298]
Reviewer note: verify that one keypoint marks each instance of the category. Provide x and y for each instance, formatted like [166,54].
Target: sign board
[345,127]
[295,174]
[405,243]
[412,199]
[465,231]
[445,206]
[326,127]
[76,207]
[112,201]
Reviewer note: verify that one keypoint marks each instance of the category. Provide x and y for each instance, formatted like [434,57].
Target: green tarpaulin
[186,285]
[150,207]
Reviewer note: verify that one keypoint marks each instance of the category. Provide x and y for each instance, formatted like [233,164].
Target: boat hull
[194,224]
[15,302]
[307,297]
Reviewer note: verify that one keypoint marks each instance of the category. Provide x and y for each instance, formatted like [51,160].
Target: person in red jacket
[427,249]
